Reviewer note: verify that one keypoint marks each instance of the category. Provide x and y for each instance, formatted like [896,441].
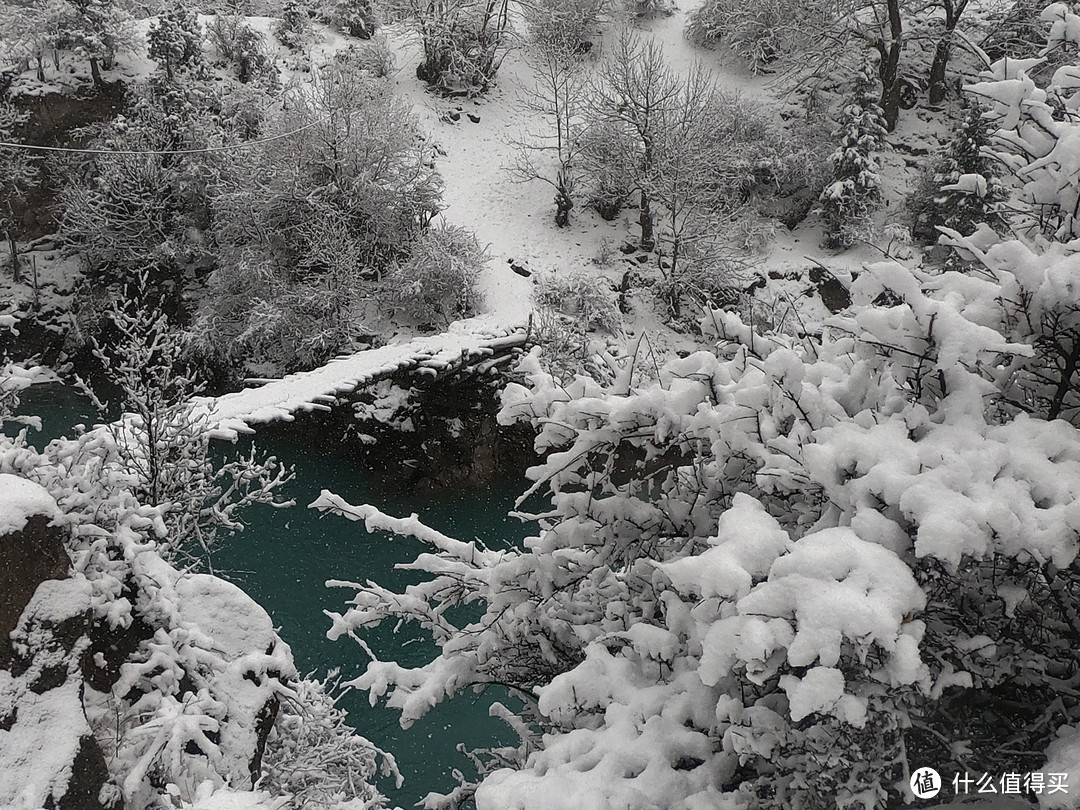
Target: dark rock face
[27,558]
[88,773]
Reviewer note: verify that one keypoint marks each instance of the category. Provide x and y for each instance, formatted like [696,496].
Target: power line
[203,150]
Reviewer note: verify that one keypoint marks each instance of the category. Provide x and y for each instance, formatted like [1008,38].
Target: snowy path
[232,414]
[514,220]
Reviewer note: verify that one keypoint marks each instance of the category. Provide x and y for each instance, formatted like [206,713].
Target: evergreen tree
[855,190]
[294,30]
[96,29]
[175,43]
[962,189]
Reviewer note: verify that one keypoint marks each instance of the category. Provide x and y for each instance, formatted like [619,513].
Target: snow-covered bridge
[474,342]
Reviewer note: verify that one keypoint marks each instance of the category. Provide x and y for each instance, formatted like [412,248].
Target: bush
[294,30]
[584,297]
[930,204]
[758,34]
[609,157]
[313,221]
[463,41]
[373,56]
[244,48]
[175,42]
[357,18]
[855,191]
[439,280]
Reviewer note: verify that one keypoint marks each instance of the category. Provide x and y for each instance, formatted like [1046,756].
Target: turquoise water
[285,556]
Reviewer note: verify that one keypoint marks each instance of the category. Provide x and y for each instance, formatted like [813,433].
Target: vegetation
[778,556]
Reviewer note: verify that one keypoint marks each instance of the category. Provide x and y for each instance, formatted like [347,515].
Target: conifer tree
[855,190]
[962,189]
[175,42]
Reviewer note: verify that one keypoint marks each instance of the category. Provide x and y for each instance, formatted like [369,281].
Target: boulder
[31,550]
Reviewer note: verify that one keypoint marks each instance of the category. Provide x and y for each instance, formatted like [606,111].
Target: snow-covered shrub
[316,759]
[244,48]
[608,157]
[95,31]
[855,189]
[374,56]
[173,678]
[784,569]
[163,443]
[464,41]
[564,23]
[439,281]
[757,33]
[129,213]
[312,221]
[357,18]
[570,308]
[583,296]
[175,41]
[962,189]
[1036,131]
[294,30]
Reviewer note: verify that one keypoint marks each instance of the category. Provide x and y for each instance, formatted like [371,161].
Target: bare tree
[17,171]
[163,440]
[638,91]
[464,41]
[559,98]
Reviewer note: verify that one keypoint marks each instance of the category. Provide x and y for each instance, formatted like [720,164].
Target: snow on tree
[855,190]
[779,570]
[313,221]
[962,189]
[559,98]
[1037,137]
[439,282]
[17,173]
[175,41]
[808,41]
[294,31]
[177,678]
[96,30]
[463,41]
[163,443]
[244,48]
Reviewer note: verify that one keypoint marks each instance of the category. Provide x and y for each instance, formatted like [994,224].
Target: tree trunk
[943,49]
[937,71]
[95,72]
[14,254]
[889,69]
[890,86]
[645,222]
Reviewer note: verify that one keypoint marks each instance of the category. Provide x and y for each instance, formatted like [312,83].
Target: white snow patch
[20,500]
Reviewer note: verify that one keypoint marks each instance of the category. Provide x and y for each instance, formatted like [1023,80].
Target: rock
[31,551]
[521,271]
[474,118]
[454,115]
[832,291]
[89,773]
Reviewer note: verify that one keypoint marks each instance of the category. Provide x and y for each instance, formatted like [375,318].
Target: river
[285,556]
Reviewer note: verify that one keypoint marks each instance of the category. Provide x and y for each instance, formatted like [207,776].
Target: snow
[38,749]
[1063,757]
[232,414]
[20,500]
